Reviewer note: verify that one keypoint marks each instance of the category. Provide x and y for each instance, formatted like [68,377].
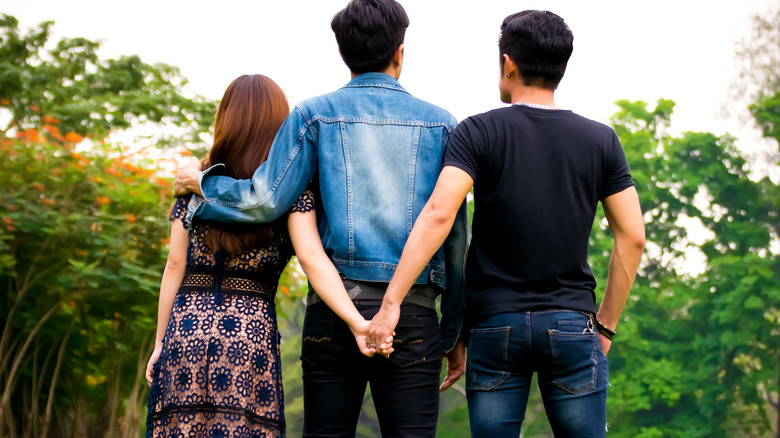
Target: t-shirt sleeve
[179,209]
[617,177]
[305,202]
[463,148]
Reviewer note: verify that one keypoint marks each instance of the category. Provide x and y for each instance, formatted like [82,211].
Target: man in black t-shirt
[538,174]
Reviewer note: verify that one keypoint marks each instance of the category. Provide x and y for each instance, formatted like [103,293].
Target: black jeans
[405,387]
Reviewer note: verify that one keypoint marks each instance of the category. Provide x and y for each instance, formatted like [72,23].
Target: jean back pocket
[317,337]
[487,366]
[574,357]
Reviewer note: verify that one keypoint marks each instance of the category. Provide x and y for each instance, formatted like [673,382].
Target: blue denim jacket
[376,152]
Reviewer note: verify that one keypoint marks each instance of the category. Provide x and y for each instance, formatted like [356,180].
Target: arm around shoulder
[275,185]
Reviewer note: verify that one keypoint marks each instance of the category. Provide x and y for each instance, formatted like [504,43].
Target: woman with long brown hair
[216,368]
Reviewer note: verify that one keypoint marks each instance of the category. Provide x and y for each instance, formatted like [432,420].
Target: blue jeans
[562,346]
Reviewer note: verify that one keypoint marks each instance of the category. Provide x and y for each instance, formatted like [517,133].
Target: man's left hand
[605,343]
[186,180]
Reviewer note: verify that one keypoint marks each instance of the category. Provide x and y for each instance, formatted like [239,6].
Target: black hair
[369,32]
[540,43]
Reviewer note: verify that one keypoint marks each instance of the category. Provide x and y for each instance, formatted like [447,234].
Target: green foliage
[698,353]
[90,96]
[84,238]
[767,114]
[83,233]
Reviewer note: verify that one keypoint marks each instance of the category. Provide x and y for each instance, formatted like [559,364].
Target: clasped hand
[367,348]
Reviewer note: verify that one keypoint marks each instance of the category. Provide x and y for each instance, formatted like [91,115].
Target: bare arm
[429,232]
[324,277]
[171,280]
[625,220]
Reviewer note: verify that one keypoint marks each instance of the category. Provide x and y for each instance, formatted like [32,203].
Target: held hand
[360,330]
[186,180]
[605,343]
[381,329]
[456,365]
[150,365]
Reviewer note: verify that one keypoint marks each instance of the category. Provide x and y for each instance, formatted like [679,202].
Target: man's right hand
[382,327]
[186,180]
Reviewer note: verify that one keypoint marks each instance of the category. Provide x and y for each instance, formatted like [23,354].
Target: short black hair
[369,32]
[540,43]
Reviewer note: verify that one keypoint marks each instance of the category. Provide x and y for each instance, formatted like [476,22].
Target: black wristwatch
[604,330]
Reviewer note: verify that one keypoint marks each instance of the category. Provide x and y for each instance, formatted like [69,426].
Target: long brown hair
[251,111]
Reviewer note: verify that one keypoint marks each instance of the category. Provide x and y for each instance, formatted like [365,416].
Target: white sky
[677,49]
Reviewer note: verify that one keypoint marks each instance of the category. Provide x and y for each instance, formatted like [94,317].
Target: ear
[398,56]
[510,68]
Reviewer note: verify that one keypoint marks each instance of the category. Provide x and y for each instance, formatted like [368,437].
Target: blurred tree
[83,231]
[699,346]
[759,59]
[90,96]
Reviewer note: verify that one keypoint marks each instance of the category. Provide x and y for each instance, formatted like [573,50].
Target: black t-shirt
[538,177]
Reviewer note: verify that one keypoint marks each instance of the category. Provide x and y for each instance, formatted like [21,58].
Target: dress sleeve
[179,210]
[305,203]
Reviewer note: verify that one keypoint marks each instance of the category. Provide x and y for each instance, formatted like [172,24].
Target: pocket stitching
[594,357]
[504,374]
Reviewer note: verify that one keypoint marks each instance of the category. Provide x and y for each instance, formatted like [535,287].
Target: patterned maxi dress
[219,372]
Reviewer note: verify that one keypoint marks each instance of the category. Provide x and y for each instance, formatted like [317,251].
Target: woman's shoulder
[179,208]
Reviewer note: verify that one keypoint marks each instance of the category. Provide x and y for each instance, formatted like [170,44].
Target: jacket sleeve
[453,300]
[276,184]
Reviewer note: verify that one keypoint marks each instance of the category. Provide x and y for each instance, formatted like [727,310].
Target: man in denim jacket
[372,153]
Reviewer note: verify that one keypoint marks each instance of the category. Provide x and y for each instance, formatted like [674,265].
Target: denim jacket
[376,152]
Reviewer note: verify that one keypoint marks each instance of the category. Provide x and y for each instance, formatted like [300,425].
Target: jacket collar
[383,80]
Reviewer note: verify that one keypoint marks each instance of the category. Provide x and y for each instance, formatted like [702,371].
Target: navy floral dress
[219,372]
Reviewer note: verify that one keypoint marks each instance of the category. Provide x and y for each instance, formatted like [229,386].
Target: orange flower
[73,137]
[134,192]
[103,200]
[163,182]
[54,131]
[38,186]
[10,228]
[34,107]
[165,241]
[285,290]
[7,220]
[50,119]
[48,201]
[77,166]
[4,102]
[29,135]
[117,315]
[185,153]
[130,217]
[12,207]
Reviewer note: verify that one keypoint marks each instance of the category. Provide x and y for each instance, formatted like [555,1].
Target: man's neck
[533,95]
[392,71]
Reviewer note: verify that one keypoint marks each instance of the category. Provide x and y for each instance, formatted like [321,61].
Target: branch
[18,359]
